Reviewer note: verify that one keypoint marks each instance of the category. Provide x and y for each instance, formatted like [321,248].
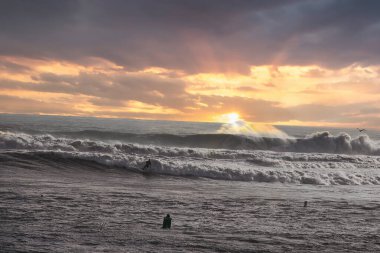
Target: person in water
[147,164]
[167,222]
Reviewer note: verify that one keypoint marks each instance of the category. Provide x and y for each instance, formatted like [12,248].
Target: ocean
[74,184]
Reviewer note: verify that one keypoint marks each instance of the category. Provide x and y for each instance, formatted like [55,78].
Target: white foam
[243,165]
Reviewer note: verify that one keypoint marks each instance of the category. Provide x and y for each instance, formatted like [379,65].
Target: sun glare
[230,118]
[233,118]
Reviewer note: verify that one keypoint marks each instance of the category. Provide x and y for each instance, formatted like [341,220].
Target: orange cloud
[273,94]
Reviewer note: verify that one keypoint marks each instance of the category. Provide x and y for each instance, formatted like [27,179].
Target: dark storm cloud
[194,35]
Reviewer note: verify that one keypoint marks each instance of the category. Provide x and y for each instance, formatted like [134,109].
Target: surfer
[147,164]
[167,222]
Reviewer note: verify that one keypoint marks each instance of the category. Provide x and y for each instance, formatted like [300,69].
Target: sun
[233,117]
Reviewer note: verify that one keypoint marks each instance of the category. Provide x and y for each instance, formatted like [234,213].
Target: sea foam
[226,164]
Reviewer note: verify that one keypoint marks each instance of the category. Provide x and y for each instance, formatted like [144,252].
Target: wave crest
[228,164]
[193,169]
[320,142]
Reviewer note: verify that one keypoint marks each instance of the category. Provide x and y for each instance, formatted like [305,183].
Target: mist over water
[241,127]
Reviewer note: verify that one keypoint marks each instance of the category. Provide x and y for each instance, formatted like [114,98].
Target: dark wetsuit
[167,222]
[147,164]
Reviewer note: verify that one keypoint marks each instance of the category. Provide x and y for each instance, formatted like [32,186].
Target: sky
[283,62]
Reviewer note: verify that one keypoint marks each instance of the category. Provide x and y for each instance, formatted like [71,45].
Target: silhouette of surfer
[147,165]
[167,222]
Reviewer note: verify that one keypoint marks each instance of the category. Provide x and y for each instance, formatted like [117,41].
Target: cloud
[143,96]
[111,89]
[13,67]
[194,36]
[255,110]
[153,93]
[359,114]
[118,94]
[146,88]
[13,104]
[270,61]
[247,88]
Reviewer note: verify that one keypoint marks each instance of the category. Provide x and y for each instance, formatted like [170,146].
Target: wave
[320,142]
[20,141]
[226,164]
[77,160]
[215,141]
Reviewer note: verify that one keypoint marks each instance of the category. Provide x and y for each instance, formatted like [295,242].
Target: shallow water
[52,209]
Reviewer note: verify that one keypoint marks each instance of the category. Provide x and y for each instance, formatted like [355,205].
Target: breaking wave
[320,142]
[334,167]
[194,169]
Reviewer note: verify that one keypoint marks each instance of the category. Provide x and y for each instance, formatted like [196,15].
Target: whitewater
[73,184]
